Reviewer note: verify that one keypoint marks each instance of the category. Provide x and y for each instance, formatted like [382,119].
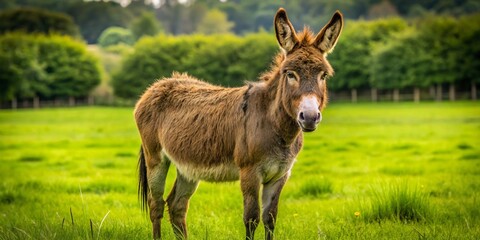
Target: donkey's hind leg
[157,174]
[177,202]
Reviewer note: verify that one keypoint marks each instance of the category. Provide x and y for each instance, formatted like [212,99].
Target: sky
[156,3]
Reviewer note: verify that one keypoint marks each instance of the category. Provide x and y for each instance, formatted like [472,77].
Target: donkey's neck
[285,126]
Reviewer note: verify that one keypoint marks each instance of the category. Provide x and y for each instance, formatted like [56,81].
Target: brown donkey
[251,133]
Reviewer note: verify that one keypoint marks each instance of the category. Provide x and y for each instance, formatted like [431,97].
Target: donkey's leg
[157,173]
[177,202]
[270,197]
[250,184]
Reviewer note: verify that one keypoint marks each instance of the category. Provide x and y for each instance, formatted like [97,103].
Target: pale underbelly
[219,173]
[268,170]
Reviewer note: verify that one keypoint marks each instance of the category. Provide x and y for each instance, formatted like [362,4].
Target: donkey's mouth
[307,129]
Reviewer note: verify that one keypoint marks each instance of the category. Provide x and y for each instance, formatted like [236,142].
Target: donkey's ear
[285,32]
[328,36]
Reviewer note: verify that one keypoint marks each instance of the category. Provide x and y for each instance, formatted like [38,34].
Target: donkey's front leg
[270,196]
[250,184]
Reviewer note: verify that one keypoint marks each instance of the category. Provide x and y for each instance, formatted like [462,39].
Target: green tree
[438,51]
[115,35]
[467,63]
[18,62]
[145,25]
[439,34]
[45,66]
[400,62]
[73,70]
[256,53]
[33,20]
[214,22]
[352,57]
[153,58]
[95,16]
[216,61]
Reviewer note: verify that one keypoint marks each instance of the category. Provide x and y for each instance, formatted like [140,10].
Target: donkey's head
[304,68]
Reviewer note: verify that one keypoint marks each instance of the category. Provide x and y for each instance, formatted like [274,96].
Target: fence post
[396,95]
[91,100]
[354,95]
[36,102]
[416,94]
[451,92]
[439,92]
[14,103]
[432,92]
[71,101]
[474,91]
[374,94]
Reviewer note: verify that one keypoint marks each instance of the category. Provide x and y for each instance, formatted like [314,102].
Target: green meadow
[370,171]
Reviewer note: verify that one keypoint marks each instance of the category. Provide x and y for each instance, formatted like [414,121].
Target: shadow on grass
[31,158]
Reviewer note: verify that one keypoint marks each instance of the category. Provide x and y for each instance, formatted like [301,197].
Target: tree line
[433,51]
[387,54]
[391,54]
[236,16]
[90,17]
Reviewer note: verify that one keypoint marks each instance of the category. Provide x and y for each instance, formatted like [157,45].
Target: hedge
[32,20]
[46,67]
[222,59]
[385,54]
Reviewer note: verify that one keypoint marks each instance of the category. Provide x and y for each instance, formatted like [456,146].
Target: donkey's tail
[142,180]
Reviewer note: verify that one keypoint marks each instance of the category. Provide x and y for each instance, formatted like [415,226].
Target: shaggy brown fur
[251,133]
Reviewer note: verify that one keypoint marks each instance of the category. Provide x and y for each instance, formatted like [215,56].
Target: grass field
[371,171]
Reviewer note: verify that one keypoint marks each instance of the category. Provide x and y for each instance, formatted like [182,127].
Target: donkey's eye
[322,77]
[291,75]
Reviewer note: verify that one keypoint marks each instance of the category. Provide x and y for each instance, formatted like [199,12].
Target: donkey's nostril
[301,116]
[318,117]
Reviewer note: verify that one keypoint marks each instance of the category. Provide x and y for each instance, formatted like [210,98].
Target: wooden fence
[363,95]
[415,94]
[65,102]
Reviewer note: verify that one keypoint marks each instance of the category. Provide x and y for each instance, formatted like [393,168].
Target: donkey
[251,133]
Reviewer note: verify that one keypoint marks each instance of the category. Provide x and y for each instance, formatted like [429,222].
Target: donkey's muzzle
[308,120]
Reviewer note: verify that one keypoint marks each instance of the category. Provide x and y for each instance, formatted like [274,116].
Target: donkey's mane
[305,37]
